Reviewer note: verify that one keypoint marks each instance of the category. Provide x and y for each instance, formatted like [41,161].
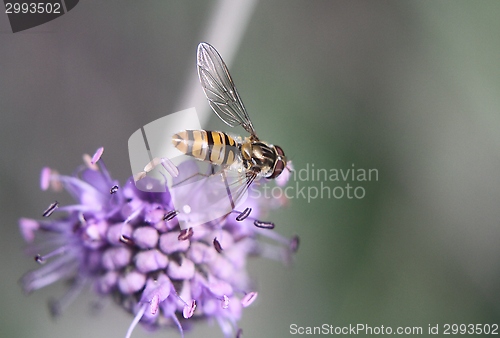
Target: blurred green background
[410,88]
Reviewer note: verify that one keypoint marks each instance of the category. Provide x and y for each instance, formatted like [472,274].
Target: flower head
[128,245]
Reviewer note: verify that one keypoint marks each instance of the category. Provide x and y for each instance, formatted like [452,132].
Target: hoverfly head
[279,163]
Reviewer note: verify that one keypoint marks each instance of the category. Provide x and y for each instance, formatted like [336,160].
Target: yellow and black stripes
[212,146]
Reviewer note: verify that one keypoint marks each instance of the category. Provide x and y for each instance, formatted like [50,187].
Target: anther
[170,215]
[45,178]
[39,259]
[54,308]
[188,310]
[97,155]
[52,207]
[126,240]
[113,189]
[43,259]
[139,176]
[152,164]
[185,234]
[170,167]
[217,245]
[82,219]
[154,304]
[294,243]
[264,225]
[249,298]
[244,214]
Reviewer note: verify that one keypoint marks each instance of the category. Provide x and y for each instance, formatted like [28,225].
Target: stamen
[48,274]
[226,325]
[136,320]
[249,298]
[133,215]
[28,228]
[225,302]
[239,333]
[113,189]
[178,323]
[244,214]
[170,167]
[55,182]
[152,164]
[188,310]
[217,245]
[275,236]
[56,307]
[45,178]
[170,215]
[263,225]
[139,176]
[82,219]
[88,162]
[185,234]
[105,172]
[294,243]
[52,207]
[154,304]
[97,155]
[126,240]
[272,252]
[43,259]
[260,224]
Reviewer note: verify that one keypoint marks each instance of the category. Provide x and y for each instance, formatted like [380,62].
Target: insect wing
[220,90]
[203,193]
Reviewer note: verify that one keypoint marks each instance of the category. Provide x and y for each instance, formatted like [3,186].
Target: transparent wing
[220,90]
[203,193]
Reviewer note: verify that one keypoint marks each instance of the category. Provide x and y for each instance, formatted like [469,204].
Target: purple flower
[128,245]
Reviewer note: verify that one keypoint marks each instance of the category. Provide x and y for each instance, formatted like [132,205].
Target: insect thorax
[258,157]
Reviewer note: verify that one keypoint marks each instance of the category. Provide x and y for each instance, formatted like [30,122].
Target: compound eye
[280,151]
[278,169]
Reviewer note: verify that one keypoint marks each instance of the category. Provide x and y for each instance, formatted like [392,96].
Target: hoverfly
[248,157]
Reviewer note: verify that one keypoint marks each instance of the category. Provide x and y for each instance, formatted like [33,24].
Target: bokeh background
[410,88]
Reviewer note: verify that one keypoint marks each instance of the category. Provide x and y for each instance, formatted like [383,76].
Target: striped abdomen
[212,146]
